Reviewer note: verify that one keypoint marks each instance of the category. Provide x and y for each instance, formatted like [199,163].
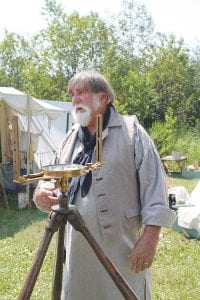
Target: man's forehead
[78,88]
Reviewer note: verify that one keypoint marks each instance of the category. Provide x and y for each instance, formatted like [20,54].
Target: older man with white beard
[124,204]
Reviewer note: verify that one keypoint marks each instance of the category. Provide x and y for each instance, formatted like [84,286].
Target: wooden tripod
[58,217]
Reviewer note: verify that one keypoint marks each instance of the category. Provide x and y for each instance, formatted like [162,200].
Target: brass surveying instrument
[59,216]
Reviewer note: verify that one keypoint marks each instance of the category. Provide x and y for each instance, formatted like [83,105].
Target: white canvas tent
[42,126]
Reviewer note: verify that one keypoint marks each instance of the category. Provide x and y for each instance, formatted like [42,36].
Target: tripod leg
[62,209]
[76,220]
[58,274]
[51,226]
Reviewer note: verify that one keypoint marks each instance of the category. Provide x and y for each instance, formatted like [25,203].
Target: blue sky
[180,17]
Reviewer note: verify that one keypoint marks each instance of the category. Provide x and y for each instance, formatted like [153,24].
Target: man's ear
[104,97]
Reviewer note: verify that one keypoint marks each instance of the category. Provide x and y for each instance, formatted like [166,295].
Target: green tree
[134,28]
[74,43]
[15,53]
[22,67]
[124,67]
[171,76]
[150,73]
[195,82]
[165,133]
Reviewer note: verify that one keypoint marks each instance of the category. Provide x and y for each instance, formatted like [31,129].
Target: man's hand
[45,196]
[144,250]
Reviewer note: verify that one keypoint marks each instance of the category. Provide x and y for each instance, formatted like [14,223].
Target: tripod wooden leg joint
[55,220]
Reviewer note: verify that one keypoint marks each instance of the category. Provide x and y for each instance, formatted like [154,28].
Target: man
[124,204]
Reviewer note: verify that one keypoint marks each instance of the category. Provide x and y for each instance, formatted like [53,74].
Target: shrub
[169,137]
[164,134]
[188,143]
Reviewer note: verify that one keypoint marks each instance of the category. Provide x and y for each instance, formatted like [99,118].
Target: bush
[164,134]
[188,143]
[169,137]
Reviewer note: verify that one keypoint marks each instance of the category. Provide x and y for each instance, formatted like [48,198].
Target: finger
[53,200]
[46,193]
[47,186]
[50,188]
[139,266]
[44,200]
[145,265]
[43,204]
[133,262]
[150,263]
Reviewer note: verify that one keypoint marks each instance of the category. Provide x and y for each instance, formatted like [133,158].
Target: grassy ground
[176,268]
[175,271]
[20,234]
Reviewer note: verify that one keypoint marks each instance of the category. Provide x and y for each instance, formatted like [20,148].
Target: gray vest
[115,185]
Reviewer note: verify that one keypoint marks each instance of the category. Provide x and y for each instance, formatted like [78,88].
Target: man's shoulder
[71,133]
[130,119]
[118,119]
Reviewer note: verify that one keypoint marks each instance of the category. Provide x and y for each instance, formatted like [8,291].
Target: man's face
[86,106]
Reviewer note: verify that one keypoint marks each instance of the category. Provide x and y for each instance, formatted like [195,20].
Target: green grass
[20,234]
[175,271]
[178,180]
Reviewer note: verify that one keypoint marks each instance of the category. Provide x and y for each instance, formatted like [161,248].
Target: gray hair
[94,81]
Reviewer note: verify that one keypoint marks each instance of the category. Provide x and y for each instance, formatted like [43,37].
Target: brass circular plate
[64,170]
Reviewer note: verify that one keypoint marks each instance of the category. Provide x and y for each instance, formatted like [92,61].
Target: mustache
[77,106]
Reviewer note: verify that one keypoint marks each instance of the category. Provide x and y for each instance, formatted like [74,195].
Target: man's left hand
[144,250]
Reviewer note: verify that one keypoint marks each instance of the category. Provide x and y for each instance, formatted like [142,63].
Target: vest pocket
[132,220]
[132,212]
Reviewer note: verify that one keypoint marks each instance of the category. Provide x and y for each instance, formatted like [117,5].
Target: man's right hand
[45,196]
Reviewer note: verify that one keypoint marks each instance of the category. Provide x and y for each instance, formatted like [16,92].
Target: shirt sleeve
[152,180]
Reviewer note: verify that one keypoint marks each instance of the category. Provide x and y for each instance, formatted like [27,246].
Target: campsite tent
[42,126]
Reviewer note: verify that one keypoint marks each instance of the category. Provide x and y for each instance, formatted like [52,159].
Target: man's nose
[75,99]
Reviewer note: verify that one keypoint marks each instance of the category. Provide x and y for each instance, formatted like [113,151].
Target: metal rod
[99,139]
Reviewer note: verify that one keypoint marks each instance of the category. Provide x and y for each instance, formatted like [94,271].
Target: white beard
[84,117]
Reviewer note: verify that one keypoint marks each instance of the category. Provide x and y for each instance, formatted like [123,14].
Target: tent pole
[28,141]
[16,151]
[67,123]
[28,134]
